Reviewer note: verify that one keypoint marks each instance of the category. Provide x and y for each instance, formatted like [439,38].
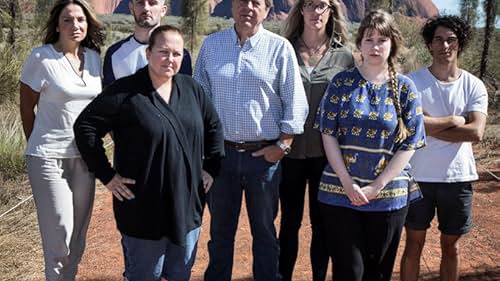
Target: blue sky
[448,6]
[453,6]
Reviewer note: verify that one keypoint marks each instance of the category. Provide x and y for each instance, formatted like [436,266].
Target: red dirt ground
[480,249]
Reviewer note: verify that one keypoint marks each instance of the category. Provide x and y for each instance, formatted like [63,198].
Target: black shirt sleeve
[213,135]
[95,121]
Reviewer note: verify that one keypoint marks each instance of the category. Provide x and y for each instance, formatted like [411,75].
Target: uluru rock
[355,9]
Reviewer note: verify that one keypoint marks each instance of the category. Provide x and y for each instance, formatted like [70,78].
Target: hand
[207,180]
[118,186]
[354,193]
[370,191]
[272,153]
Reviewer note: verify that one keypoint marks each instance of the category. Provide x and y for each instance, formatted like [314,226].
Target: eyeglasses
[451,41]
[319,8]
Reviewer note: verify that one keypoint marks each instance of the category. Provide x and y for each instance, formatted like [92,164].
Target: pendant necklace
[313,52]
[76,66]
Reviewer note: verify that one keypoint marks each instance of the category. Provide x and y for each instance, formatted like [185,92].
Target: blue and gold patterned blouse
[362,117]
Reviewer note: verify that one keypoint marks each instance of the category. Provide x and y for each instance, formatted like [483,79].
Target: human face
[444,45]
[147,13]
[375,48]
[72,24]
[316,14]
[248,15]
[165,56]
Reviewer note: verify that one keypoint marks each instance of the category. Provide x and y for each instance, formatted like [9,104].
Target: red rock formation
[105,7]
[355,9]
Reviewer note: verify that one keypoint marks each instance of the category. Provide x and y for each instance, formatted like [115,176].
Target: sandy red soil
[480,248]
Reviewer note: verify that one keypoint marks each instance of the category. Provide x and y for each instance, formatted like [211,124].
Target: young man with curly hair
[455,104]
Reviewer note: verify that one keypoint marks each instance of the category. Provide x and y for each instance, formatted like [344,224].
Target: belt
[248,146]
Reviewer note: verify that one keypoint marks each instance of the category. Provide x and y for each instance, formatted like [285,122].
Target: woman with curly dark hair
[59,79]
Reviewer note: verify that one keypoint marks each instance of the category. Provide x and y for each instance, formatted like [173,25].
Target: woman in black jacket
[165,129]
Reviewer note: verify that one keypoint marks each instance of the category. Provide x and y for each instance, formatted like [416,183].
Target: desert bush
[12,164]
[10,67]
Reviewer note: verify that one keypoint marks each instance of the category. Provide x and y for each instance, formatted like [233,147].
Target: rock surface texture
[355,9]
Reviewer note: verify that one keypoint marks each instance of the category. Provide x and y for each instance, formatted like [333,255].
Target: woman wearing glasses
[316,29]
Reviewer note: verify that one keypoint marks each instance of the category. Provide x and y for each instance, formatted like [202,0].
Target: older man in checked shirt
[253,78]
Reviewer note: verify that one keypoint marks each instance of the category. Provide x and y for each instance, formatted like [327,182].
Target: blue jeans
[149,260]
[260,181]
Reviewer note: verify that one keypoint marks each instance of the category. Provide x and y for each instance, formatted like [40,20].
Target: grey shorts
[453,203]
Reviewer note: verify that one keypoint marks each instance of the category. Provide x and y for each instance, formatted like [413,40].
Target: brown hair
[335,27]
[385,24]
[161,29]
[95,37]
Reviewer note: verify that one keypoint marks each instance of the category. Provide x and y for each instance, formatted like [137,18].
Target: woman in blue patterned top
[371,123]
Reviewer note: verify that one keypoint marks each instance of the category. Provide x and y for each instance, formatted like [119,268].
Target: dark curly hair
[461,28]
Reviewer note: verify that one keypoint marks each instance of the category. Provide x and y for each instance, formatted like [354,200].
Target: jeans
[149,260]
[260,180]
[297,173]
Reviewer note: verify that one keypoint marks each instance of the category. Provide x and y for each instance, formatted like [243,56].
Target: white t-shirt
[63,95]
[129,58]
[442,161]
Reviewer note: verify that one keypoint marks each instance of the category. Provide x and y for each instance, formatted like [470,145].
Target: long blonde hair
[385,24]
[335,27]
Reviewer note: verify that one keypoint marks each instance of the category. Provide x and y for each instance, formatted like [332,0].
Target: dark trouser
[363,244]
[451,200]
[260,180]
[296,173]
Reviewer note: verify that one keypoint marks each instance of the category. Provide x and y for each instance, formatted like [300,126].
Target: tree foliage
[468,11]
[10,16]
[42,12]
[386,5]
[195,21]
[490,9]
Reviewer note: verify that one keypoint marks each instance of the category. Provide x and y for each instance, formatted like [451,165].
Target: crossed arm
[456,128]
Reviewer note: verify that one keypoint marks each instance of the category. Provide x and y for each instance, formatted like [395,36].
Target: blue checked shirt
[256,88]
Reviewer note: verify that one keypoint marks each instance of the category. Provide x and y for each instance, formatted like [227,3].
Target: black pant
[296,173]
[362,244]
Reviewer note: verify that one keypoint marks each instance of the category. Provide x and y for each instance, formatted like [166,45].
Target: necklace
[314,53]
[77,66]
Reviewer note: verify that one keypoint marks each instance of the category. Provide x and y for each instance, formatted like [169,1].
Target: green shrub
[10,68]
[12,163]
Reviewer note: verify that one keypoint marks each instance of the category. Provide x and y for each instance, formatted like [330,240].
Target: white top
[63,95]
[129,58]
[442,161]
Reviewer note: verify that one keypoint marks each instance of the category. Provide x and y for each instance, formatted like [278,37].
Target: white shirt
[63,95]
[442,161]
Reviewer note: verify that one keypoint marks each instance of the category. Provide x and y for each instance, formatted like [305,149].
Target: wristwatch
[285,148]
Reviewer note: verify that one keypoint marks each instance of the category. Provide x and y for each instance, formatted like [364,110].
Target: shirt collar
[252,40]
